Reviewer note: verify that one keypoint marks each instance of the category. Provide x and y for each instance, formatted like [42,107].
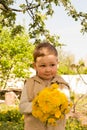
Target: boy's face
[46,66]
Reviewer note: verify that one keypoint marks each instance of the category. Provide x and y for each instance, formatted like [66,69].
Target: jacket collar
[57,79]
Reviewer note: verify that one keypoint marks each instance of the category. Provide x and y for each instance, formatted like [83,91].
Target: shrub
[74,124]
[11,125]
[11,114]
[12,119]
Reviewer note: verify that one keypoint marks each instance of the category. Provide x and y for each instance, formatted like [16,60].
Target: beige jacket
[32,87]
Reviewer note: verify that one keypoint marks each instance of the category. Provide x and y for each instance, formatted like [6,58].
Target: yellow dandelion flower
[54,86]
[52,121]
[58,114]
[50,105]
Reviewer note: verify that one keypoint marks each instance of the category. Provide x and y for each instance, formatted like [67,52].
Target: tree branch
[28,7]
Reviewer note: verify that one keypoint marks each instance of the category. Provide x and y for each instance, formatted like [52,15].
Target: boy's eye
[42,65]
[45,65]
[52,64]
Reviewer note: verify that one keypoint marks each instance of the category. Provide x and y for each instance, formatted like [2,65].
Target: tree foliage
[15,46]
[15,55]
[38,11]
[68,65]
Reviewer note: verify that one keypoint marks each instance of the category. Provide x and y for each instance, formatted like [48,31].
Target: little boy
[45,63]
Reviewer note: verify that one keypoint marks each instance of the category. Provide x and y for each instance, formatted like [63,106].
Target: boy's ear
[57,64]
[34,65]
[57,61]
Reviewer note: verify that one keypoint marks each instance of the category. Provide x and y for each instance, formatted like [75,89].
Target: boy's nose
[48,69]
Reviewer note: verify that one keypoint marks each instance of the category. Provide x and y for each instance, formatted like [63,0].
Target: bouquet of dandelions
[50,105]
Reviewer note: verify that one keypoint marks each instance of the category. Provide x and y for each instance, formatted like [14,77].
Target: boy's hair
[43,49]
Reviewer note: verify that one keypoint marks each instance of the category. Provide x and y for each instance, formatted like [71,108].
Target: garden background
[17,42]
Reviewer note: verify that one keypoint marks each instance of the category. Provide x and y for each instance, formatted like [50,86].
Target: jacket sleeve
[25,106]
